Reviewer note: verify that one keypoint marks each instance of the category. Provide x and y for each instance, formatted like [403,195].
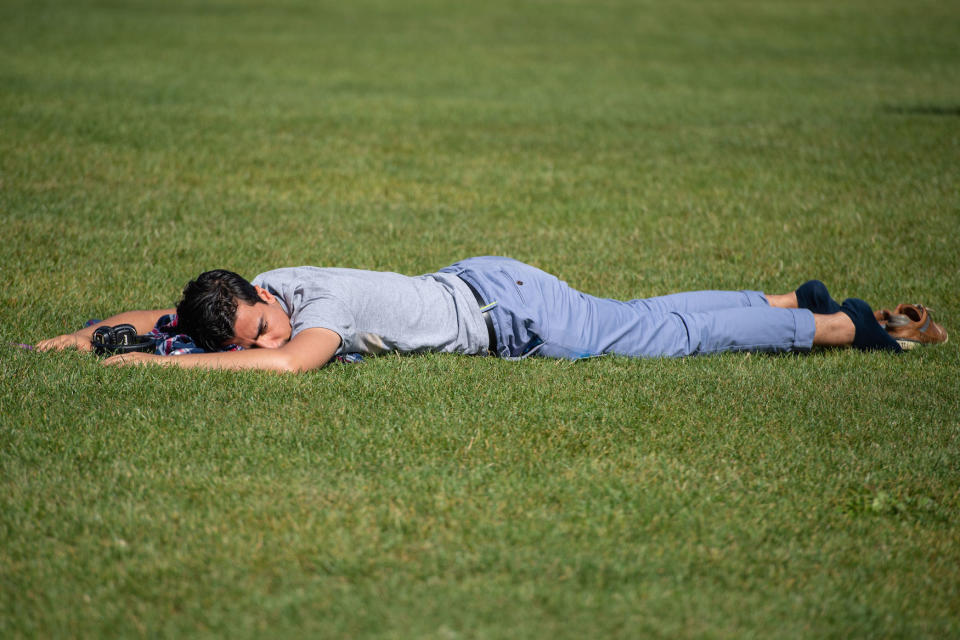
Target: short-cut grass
[633,148]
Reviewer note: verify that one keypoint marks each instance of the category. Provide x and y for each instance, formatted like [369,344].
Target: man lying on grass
[297,319]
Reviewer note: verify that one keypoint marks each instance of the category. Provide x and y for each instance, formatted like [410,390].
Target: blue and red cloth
[171,342]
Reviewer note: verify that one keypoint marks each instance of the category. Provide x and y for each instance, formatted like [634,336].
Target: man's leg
[581,325]
[812,295]
[609,328]
[694,301]
[575,325]
[852,323]
[650,334]
[572,324]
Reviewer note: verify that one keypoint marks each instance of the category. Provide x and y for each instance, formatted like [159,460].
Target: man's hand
[143,321]
[308,350]
[77,341]
[132,358]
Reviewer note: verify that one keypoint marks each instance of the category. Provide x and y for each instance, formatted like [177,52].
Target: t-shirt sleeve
[322,311]
[309,306]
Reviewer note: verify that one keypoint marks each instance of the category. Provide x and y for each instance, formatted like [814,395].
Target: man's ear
[265,295]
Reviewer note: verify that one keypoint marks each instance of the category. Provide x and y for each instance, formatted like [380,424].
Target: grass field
[632,148]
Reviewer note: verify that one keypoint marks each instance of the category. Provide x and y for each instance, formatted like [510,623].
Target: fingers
[57,344]
[125,359]
[45,345]
[122,359]
[66,341]
[113,361]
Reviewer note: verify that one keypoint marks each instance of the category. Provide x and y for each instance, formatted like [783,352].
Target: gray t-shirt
[376,312]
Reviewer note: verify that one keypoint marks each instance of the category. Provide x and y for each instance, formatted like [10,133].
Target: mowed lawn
[633,148]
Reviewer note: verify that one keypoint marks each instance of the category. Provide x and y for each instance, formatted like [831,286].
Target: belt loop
[485,313]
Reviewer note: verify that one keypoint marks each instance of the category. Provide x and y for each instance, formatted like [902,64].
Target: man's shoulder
[287,274]
[323,282]
[309,274]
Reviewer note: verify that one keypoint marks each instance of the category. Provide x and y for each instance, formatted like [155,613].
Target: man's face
[264,326]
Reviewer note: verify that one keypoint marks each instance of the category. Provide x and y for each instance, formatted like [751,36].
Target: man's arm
[310,349]
[144,321]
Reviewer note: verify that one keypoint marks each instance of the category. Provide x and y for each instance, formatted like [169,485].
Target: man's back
[376,312]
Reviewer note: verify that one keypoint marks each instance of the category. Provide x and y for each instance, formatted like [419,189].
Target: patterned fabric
[172,343]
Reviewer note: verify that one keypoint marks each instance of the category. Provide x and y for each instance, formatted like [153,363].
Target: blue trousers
[536,313]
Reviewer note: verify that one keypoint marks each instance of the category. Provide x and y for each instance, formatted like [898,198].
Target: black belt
[491,334]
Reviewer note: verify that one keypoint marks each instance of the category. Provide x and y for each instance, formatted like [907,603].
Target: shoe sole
[907,345]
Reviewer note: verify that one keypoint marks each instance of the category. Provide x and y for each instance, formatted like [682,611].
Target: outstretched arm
[310,349]
[144,321]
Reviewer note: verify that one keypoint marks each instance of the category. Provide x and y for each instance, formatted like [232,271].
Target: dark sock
[870,336]
[813,295]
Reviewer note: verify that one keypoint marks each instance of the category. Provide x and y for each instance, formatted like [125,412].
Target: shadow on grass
[922,109]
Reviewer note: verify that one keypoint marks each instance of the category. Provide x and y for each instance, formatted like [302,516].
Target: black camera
[122,338]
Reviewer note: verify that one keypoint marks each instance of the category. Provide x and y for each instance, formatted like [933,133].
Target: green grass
[632,148]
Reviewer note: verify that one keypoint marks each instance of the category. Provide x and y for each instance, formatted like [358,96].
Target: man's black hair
[208,310]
